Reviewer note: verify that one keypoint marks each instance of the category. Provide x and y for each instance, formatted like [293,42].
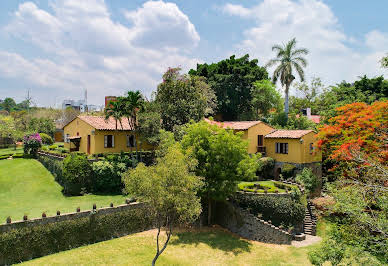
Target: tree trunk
[286,109]
[209,212]
[168,233]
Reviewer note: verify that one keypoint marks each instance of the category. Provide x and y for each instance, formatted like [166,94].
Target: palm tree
[115,110]
[133,102]
[288,59]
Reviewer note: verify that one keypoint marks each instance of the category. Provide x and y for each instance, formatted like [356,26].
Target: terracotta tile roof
[315,118]
[288,134]
[237,125]
[99,122]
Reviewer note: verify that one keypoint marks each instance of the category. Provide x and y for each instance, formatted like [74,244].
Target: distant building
[315,118]
[79,105]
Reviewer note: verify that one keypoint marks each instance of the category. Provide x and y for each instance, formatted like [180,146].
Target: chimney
[308,112]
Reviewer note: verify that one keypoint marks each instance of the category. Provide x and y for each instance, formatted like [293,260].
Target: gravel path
[308,241]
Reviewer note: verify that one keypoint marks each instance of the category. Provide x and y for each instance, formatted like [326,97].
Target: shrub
[280,210]
[77,174]
[265,168]
[33,242]
[308,179]
[55,167]
[107,176]
[288,170]
[46,139]
[32,143]
[53,147]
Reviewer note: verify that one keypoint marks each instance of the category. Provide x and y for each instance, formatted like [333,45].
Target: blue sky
[58,48]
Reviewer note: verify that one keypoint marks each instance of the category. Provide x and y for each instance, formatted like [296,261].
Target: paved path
[308,241]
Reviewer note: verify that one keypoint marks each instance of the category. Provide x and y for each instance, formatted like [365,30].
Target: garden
[268,186]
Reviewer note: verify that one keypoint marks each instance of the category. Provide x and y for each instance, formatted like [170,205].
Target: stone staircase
[310,220]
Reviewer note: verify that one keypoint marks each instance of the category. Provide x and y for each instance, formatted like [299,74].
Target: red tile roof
[237,125]
[99,122]
[315,118]
[288,134]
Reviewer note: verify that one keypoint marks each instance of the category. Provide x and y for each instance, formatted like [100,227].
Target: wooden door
[88,144]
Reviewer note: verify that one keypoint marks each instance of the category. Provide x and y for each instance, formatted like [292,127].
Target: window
[109,141]
[260,140]
[311,148]
[131,141]
[67,140]
[281,148]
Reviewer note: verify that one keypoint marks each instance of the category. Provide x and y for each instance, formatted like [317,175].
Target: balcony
[261,149]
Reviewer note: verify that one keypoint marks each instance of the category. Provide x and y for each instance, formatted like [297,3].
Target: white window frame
[281,147]
[106,141]
[128,142]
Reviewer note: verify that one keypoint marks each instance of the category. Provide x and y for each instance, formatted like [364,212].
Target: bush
[77,174]
[265,168]
[55,167]
[53,147]
[46,139]
[32,143]
[288,170]
[280,210]
[107,176]
[308,180]
[33,242]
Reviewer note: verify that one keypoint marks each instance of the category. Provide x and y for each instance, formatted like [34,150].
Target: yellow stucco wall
[97,138]
[252,133]
[297,152]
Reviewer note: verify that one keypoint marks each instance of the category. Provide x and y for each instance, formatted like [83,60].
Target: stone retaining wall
[68,216]
[249,226]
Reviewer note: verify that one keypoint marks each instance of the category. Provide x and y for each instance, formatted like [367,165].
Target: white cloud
[85,48]
[315,27]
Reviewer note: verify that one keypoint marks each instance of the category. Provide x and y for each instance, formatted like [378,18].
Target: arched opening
[278,171]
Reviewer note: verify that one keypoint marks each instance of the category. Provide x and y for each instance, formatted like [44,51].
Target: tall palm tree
[115,110]
[288,58]
[133,102]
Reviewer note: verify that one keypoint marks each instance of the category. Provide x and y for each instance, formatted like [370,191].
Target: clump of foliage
[77,174]
[308,179]
[265,167]
[54,166]
[265,98]
[32,143]
[106,179]
[42,124]
[170,189]
[219,153]
[357,126]
[46,139]
[288,170]
[232,81]
[183,98]
[280,210]
[292,121]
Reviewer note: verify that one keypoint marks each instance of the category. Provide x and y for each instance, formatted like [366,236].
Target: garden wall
[25,240]
[249,226]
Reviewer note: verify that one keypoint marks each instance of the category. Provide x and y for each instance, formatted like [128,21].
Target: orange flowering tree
[356,127]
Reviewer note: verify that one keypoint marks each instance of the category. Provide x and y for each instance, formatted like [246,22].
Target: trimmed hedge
[55,167]
[279,210]
[264,186]
[33,242]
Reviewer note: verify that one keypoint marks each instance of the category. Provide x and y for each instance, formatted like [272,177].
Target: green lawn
[11,150]
[271,186]
[215,247]
[26,187]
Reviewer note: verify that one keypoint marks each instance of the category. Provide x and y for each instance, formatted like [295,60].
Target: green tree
[219,153]
[170,189]
[149,120]
[288,59]
[307,96]
[384,62]
[232,81]
[42,125]
[116,111]
[9,104]
[264,98]
[182,98]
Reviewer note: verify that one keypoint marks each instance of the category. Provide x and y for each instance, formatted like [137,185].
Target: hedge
[33,242]
[279,210]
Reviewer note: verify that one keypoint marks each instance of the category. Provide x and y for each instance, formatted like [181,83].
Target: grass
[26,187]
[209,246]
[271,186]
[11,150]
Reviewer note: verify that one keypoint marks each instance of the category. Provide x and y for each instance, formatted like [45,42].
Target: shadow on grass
[214,238]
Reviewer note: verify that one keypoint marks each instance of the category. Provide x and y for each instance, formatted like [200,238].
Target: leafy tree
[31,144]
[288,59]
[219,153]
[384,62]
[8,128]
[149,120]
[132,103]
[357,126]
[308,179]
[309,96]
[9,104]
[373,89]
[232,81]
[281,120]
[265,97]
[46,139]
[183,98]
[43,125]
[77,174]
[170,189]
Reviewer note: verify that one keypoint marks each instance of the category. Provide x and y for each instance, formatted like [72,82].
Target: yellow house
[253,131]
[296,147]
[95,134]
